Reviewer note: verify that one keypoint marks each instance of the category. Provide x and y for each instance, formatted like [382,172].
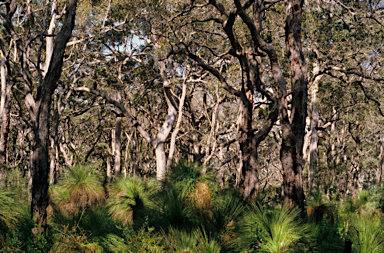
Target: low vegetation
[179,215]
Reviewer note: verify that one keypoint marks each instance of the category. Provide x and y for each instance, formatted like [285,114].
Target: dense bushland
[187,212]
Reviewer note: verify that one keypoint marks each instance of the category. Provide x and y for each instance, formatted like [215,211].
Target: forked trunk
[40,115]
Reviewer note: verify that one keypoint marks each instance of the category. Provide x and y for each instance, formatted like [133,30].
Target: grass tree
[277,230]
[195,241]
[129,198]
[79,190]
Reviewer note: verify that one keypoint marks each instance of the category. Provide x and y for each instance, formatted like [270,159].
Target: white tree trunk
[313,150]
[49,39]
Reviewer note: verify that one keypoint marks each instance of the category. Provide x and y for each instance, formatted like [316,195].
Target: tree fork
[40,114]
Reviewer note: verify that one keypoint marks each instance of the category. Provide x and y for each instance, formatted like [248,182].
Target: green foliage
[188,173]
[175,207]
[367,202]
[327,237]
[195,241]
[72,241]
[226,221]
[8,213]
[79,189]
[23,240]
[143,240]
[366,234]
[129,199]
[97,223]
[276,230]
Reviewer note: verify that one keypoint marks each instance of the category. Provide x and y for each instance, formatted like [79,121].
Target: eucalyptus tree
[114,41]
[241,27]
[28,26]
[345,56]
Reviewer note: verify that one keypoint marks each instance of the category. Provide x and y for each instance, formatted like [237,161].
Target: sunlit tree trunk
[117,141]
[53,167]
[5,125]
[5,110]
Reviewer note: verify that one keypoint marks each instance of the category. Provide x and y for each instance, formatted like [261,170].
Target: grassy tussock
[186,213]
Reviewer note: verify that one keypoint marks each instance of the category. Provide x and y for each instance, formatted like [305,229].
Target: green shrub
[276,230]
[366,234]
[23,240]
[8,214]
[226,222]
[194,241]
[129,199]
[176,208]
[327,237]
[73,241]
[142,240]
[80,189]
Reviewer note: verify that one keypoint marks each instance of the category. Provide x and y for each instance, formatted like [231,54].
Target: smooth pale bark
[5,108]
[5,124]
[117,140]
[161,161]
[52,163]
[162,135]
[291,153]
[67,159]
[177,127]
[53,167]
[109,173]
[313,150]
[49,42]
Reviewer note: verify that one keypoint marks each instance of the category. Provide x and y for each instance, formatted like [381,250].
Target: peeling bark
[293,128]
